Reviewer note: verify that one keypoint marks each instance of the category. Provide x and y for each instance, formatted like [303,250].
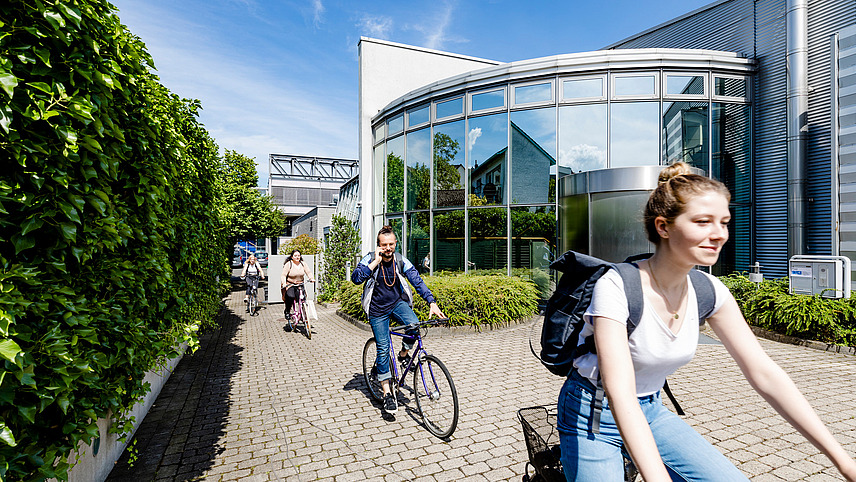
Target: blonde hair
[676,186]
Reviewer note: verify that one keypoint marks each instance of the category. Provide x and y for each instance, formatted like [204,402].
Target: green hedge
[770,306]
[465,299]
[110,237]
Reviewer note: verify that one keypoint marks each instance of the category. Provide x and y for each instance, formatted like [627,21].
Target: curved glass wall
[470,177]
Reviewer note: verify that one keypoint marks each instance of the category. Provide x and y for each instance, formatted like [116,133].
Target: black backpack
[563,318]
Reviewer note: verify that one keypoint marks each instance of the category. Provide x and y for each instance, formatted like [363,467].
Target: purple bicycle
[436,397]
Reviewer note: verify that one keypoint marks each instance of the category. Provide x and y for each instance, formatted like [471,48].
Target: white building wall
[387,71]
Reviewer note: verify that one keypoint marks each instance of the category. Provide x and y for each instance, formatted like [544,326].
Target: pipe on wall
[796,24]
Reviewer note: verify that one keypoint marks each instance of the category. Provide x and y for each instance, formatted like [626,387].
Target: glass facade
[472,186]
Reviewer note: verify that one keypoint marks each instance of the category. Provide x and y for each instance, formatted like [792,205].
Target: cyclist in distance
[252,272]
[293,274]
[386,295]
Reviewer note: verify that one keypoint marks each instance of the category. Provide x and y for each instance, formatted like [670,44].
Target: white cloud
[318,12]
[377,26]
[472,136]
[582,157]
[436,28]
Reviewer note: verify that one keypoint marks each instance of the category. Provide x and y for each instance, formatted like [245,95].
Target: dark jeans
[290,296]
[252,282]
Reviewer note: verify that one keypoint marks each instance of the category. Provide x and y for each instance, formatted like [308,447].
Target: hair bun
[679,168]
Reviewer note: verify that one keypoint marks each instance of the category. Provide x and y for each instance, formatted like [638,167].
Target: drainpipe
[797,118]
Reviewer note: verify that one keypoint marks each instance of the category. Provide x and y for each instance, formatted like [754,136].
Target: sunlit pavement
[257,403]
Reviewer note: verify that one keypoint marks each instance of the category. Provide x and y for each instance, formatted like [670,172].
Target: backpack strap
[705,294]
[399,260]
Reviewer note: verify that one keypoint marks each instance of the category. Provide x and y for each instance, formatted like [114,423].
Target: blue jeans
[380,327]
[587,456]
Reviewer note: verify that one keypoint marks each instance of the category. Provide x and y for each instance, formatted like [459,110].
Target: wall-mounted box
[827,276]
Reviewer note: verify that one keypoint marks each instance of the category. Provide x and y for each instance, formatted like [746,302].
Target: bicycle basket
[542,442]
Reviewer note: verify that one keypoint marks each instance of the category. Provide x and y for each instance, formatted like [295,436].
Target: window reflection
[449,169]
[487,142]
[582,138]
[395,175]
[418,116]
[396,224]
[685,85]
[418,240]
[527,94]
[533,156]
[488,240]
[634,130]
[533,245]
[732,164]
[396,124]
[488,100]
[379,169]
[448,108]
[685,133]
[635,85]
[582,88]
[418,169]
[448,241]
[728,86]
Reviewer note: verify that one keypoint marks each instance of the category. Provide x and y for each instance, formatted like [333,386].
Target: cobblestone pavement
[256,403]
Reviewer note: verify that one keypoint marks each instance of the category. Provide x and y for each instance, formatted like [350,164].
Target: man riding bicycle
[252,272]
[385,296]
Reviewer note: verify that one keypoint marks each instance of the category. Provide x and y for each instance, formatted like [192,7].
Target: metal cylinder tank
[600,212]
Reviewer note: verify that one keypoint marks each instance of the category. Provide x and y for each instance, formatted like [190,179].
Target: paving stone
[257,403]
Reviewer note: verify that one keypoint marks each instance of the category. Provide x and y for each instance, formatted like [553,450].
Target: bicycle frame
[297,307]
[419,350]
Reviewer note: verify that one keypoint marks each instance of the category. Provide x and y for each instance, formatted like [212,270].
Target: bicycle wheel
[305,320]
[370,371]
[254,303]
[436,397]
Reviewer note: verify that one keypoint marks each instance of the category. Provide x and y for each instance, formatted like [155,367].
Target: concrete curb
[792,340]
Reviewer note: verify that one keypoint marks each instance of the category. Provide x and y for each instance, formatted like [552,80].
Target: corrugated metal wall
[847,140]
[757,28]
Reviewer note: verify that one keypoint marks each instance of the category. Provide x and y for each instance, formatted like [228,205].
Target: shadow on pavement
[179,438]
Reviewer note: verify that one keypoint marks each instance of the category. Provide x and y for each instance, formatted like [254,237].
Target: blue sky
[280,76]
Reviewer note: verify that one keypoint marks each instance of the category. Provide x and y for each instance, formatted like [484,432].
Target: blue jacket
[362,273]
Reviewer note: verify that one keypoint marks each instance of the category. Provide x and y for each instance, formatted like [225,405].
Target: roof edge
[427,50]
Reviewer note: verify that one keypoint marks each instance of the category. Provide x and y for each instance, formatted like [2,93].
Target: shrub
[465,298]
[108,209]
[770,306]
[344,243]
[304,243]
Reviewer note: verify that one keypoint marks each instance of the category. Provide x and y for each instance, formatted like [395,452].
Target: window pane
[379,132]
[685,84]
[488,240]
[378,184]
[729,87]
[395,175]
[533,156]
[685,133]
[582,88]
[731,141]
[418,116]
[525,94]
[635,134]
[418,240]
[449,168]
[418,169]
[636,85]
[450,107]
[488,100]
[396,124]
[582,138]
[487,142]
[448,241]
[533,245]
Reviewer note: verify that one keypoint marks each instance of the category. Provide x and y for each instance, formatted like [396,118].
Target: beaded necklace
[383,275]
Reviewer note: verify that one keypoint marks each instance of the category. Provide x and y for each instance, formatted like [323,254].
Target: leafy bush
[305,243]
[344,243]
[465,298]
[770,306]
[111,239]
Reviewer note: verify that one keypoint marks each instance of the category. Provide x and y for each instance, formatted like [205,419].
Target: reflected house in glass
[532,157]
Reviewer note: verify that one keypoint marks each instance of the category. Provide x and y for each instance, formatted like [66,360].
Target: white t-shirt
[656,351]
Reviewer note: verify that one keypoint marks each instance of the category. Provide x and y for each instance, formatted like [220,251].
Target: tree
[445,151]
[343,247]
[304,243]
[248,214]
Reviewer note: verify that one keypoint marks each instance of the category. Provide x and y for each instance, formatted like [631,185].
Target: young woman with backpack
[686,218]
[293,273]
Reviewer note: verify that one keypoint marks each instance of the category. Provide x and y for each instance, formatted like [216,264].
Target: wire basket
[542,443]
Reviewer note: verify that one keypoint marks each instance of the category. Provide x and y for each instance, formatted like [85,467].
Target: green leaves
[8,82]
[9,350]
